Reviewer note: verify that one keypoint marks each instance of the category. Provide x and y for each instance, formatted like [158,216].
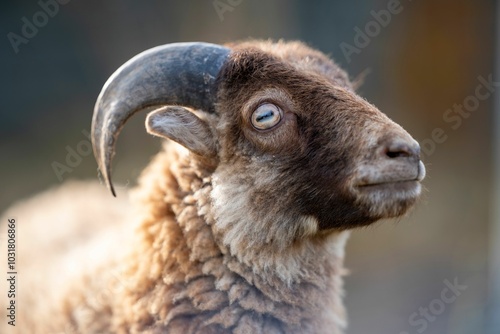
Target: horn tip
[112,190]
[109,185]
[107,179]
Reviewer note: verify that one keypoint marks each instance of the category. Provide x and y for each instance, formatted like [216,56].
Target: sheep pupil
[266,115]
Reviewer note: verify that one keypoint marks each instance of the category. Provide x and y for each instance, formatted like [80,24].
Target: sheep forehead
[301,57]
[304,75]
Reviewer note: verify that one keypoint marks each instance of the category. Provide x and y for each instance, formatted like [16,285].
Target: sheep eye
[266,116]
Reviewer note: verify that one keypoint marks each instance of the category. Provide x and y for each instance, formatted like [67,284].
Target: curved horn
[178,73]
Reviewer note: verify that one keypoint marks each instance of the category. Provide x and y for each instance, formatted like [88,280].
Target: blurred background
[429,65]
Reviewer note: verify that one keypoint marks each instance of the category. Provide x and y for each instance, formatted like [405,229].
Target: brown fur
[250,239]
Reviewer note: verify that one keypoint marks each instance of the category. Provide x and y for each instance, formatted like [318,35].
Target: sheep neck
[194,272]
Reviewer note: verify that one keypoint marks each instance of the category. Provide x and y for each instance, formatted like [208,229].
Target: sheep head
[294,151]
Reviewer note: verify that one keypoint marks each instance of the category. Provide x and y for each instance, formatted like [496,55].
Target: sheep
[270,160]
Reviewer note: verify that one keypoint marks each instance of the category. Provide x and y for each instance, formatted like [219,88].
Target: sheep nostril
[397,154]
[402,150]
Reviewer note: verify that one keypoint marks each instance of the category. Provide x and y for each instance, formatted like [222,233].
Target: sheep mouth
[405,177]
[398,186]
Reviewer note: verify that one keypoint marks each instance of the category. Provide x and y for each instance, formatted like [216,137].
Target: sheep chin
[389,199]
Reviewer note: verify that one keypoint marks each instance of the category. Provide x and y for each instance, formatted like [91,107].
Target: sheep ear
[182,126]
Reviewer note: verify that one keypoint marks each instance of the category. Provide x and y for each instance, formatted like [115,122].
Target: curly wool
[176,279]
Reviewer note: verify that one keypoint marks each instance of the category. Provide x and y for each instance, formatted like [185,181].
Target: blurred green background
[423,59]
